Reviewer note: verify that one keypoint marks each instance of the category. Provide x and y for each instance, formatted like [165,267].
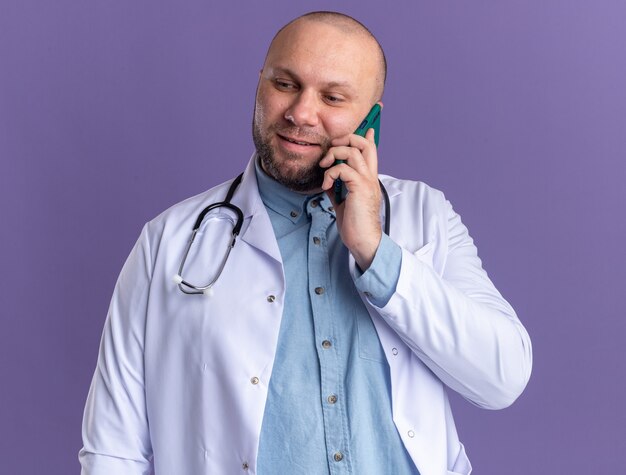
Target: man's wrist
[379,282]
[364,255]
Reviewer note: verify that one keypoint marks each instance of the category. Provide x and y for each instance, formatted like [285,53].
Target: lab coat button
[271,298]
[254,380]
[319,290]
[394,351]
[326,344]
[411,434]
[338,456]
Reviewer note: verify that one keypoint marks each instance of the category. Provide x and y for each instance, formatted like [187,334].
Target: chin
[292,172]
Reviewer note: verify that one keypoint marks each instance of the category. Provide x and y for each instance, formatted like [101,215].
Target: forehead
[325,53]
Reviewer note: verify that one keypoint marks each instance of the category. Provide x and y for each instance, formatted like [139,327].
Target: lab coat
[181,380]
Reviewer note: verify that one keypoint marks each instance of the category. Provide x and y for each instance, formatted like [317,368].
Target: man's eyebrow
[287,71]
[339,84]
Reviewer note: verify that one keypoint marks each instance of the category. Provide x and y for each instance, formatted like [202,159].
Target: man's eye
[333,99]
[284,85]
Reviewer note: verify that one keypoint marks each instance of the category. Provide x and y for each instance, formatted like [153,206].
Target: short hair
[346,23]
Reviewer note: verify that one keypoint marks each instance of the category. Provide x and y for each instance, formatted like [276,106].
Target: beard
[305,178]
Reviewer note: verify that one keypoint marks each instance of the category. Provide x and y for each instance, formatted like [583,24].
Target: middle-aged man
[326,346]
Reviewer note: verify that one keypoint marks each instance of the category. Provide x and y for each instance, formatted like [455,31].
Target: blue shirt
[328,409]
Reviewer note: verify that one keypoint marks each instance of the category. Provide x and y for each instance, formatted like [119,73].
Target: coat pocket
[461,465]
[426,253]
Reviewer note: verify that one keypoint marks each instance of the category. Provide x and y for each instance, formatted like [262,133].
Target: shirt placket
[328,349]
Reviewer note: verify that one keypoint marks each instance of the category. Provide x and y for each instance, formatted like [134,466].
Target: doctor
[327,346]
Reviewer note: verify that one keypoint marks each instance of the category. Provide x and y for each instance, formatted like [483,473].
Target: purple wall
[112,111]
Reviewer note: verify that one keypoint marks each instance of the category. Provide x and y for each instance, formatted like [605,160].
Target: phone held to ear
[371,121]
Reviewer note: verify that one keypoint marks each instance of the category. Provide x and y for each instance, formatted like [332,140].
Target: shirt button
[367,294]
[314,204]
[254,380]
[294,214]
[316,240]
[332,399]
[319,290]
[338,456]
[331,208]
[271,298]
[411,434]
[326,344]
[245,466]
[394,351]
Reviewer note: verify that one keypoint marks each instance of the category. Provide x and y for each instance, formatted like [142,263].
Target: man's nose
[304,110]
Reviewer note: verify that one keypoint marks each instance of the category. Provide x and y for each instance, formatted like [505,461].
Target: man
[326,346]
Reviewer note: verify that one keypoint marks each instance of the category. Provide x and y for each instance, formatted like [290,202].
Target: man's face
[318,83]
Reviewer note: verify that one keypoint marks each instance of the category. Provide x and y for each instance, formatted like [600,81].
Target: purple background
[112,111]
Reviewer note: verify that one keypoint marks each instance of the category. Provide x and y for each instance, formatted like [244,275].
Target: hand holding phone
[371,121]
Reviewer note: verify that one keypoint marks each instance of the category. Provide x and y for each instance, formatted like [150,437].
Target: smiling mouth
[297,142]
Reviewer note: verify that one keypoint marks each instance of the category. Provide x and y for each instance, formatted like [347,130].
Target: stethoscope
[191,289]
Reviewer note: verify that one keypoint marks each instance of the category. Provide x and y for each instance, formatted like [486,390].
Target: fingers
[357,166]
[359,152]
[347,174]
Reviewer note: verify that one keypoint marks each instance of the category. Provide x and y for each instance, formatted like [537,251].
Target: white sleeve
[115,424]
[457,323]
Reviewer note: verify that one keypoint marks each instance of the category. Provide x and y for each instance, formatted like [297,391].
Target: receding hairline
[346,24]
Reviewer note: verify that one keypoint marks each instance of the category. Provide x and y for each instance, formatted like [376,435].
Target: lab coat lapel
[257,230]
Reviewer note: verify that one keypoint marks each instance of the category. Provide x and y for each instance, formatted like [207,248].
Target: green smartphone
[371,121]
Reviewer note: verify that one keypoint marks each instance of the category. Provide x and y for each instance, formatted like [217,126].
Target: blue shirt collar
[288,203]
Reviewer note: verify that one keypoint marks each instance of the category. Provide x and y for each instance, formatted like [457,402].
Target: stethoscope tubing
[191,289]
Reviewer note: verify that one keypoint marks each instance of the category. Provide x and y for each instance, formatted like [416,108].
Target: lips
[296,141]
